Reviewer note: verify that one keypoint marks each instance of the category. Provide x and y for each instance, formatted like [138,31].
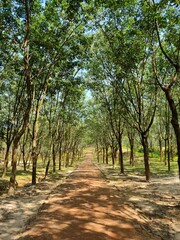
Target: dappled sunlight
[157,201]
[84,207]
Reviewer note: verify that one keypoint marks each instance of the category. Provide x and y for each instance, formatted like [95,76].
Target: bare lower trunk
[47,168]
[169,157]
[54,158]
[6,161]
[103,155]
[13,183]
[60,158]
[97,151]
[132,154]
[144,140]
[121,163]
[113,155]
[34,165]
[160,149]
[67,159]
[131,143]
[165,152]
[24,161]
[174,122]
[106,154]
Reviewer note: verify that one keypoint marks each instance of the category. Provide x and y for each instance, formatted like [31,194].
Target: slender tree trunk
[169,157]
[35,151]
[160,149]
[67,159]
[103,154]
[97,151]
[132,154]
[174,122]
[171,147]
[14,167]
[165,151]
[113,155]
[54,157]
[106,150]
[121,163]
[34,156]
[47,168]
[29,89]
[60,158]
[74,150]
[6,161]
[144,140]
[24,160]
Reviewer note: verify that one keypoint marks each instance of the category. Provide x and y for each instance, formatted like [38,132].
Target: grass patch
[25,177]
[157,167]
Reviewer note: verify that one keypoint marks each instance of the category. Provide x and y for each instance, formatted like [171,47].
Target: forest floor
[93,202]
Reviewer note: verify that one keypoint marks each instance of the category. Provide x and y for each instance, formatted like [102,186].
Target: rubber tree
[100,83]
[129,68]
[24,9]
[54,28]
[16,74]
[166,54]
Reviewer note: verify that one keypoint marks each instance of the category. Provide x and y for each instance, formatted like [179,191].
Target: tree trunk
[60,158]
[144,140]
[103,155]
[106,149]
[13,182]
[174,122]
[160,149]
[34,165]
[29,90]
[113,155]
[132,154]
[121,163]
[97,151]
[24,160]
[6,161]
[165,151]
[47,168]
[54,157]
[67,159]
[169,157]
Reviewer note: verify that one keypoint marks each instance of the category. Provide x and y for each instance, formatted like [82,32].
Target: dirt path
[84,207]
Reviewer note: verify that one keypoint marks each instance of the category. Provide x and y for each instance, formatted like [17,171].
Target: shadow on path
[84,208]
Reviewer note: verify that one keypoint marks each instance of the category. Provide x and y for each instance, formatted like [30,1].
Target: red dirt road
[84,207]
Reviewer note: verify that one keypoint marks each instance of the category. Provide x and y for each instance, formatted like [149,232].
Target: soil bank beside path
[84,207]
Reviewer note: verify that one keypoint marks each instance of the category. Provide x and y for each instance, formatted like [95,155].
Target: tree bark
[47,168]
[165,151]
[103,156]
[174,122]
[60,157]
[54,157]
[121,163]
[131,154]
[34,156]
[106,149]
[97,151]
[6,161]
[29,89]
[160,149]
[144,140]
[113,155]
[14,167]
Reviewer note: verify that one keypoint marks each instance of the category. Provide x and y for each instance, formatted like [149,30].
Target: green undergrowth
[25,177]
[157,168]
